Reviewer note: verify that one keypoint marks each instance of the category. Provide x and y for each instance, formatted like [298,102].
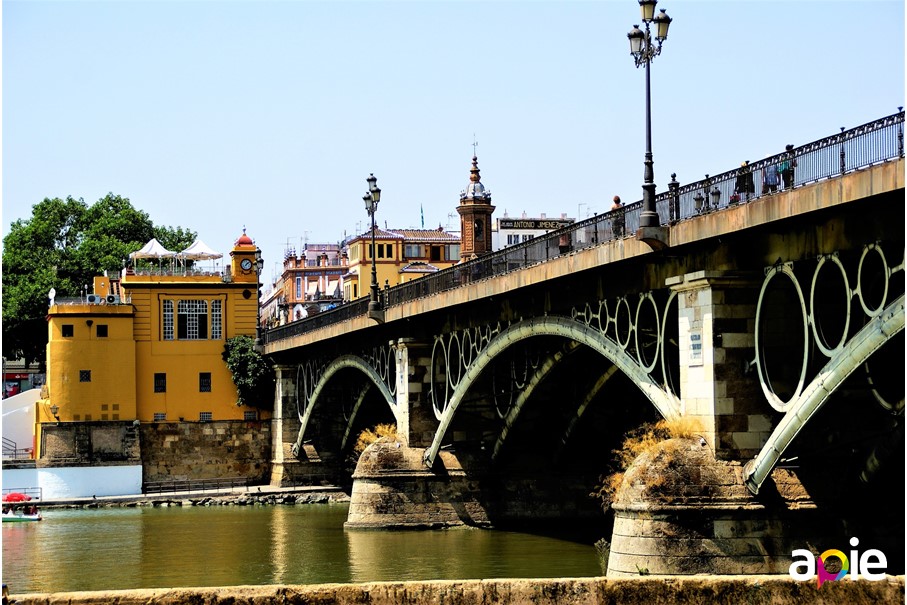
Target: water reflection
[223,546]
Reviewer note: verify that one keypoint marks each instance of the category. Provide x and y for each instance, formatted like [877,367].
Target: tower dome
[244,240]
[475,191]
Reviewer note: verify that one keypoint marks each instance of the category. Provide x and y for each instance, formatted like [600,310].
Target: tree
[63,246]
[253,376]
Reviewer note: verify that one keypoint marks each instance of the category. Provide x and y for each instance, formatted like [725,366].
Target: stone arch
[342,362]
[667,404]
[879,330]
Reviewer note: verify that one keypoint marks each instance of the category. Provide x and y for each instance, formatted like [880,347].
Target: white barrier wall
[77,482]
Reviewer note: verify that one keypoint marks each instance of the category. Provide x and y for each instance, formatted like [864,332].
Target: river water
[118,548]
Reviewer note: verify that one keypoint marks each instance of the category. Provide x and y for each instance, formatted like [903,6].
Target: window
[298,288]
[390,251]
[513,239]
[192,320]
[435,253]
[355,290]
[205,416]
[217,330]
[380,250]
[115,417]
[104,417]
[526,238]
[115,407]
[412,251]
[204,382]
[67,330]
[250,415]
[102,330]
[453,251]
[104,407]
[160,416]
[168,320]
[84,375]
[87,417]
[160,382]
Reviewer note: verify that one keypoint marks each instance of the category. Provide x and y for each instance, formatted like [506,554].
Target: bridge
[766,327]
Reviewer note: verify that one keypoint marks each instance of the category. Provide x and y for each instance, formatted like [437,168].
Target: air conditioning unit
[113,300]
[95,299]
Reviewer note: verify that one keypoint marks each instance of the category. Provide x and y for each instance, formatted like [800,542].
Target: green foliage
[64,245]
[253,376]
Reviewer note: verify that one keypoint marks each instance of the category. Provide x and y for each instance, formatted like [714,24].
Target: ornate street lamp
[644,52]
[371,199]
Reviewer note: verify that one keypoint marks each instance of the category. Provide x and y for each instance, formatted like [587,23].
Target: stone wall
[89,443]
[755,590]
[206,450]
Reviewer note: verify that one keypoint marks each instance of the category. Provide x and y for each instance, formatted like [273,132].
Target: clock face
[246,264]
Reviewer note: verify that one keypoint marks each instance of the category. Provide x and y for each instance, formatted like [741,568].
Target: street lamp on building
[644,52]
[371,199]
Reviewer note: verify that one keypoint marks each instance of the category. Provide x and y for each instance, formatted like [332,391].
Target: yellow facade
[154,353]
[395,251]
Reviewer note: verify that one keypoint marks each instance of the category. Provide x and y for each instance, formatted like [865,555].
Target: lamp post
[371,199]
[644,52]
[259,265]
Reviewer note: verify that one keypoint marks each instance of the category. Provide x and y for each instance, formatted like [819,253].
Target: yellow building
[401,255]
[149,346]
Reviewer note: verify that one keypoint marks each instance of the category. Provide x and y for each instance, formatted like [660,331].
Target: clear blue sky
[215,115]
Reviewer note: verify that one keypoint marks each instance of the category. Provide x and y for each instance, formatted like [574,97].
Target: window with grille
[84,375]
[102,331]
[204,382]
[160,416]
[513,239]
[298,288]
[160,382]
[168,320]
[217,322]
[192,320]
[67,330]
[250,415]
[205,416]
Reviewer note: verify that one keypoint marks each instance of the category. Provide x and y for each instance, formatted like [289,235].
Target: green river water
[118,548]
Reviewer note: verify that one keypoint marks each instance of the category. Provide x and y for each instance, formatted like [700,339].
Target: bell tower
[475,211]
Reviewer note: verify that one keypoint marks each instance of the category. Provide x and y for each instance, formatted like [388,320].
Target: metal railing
[34,493]
[11,451]
[194,485]
[879,141]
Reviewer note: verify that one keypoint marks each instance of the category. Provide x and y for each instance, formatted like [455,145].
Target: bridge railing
[876,142]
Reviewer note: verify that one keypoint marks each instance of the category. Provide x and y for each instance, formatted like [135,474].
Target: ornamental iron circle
[761,335]
[817,322]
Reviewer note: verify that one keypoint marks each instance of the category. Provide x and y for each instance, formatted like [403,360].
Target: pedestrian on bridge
[618,220]
[788,163]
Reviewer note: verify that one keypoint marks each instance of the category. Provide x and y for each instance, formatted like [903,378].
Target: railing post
[674,192]
[842,151]
[901,134]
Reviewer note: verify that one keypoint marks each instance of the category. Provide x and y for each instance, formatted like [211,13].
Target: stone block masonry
[206,450]
[732,590]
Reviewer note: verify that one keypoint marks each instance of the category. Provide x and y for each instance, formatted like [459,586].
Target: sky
[269,115]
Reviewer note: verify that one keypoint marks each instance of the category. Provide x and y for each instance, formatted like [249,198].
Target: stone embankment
[713,590]
[237,498]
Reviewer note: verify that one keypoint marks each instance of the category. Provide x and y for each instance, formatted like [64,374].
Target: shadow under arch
[851,356]
[667,404]
[341,363]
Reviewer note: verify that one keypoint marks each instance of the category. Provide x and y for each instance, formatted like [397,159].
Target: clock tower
[475,211]
[243,259]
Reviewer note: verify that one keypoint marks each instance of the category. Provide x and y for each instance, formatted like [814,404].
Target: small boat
[19,515]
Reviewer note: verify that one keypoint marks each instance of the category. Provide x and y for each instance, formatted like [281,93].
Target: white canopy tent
[152,249]
[199,250]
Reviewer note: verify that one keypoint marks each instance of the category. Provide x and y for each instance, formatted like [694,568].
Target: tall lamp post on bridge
[371,199]
[644,52]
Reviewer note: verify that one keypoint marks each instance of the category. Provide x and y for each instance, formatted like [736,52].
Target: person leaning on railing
[788,163]
[618,220]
